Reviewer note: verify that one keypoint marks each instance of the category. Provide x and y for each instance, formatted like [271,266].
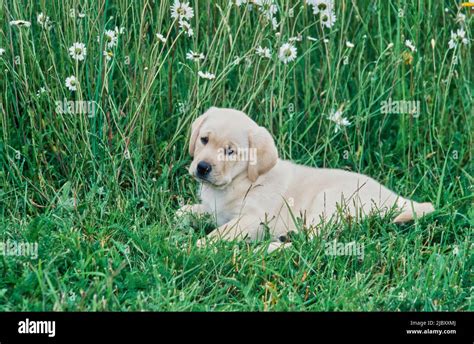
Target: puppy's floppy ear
[195,132]
[267,154]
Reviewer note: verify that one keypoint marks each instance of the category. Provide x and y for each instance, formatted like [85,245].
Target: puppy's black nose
[203,168]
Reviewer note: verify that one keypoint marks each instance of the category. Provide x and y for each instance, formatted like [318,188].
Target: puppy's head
[226,143]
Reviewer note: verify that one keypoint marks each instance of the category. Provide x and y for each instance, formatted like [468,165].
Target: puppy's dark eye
[204,140]
[229,151]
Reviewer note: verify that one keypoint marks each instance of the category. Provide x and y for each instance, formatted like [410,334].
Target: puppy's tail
[412,210]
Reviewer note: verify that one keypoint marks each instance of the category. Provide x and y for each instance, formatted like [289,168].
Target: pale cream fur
[243,195]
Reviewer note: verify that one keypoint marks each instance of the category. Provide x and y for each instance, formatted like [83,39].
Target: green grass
[104,218]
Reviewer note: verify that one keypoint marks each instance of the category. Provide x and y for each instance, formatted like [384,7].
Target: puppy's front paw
[201,243]
[205,243]
[184,218]
[184,210]
[274,246]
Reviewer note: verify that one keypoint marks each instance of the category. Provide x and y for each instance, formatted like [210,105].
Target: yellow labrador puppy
[249,189]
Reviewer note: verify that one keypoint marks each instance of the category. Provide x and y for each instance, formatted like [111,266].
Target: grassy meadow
[96,184]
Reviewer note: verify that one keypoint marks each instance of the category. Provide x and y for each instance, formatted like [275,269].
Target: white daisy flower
[161,37]
[43,20]
[462,35]
[336,117]
[108,54]
[321,5]
[456,37]
[78,51]
[186,27]
[20,23]
[453,41]
[71,83]
[263,52]
[409,44]
[181,10]
[328,18]
[287,53]
[111,38]
[195,57]
[460,18]
[206,75]
[2,51]
[81,15]
[267,7]
[350,45]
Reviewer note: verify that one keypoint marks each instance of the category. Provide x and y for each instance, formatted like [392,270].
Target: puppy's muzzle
[203,169]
